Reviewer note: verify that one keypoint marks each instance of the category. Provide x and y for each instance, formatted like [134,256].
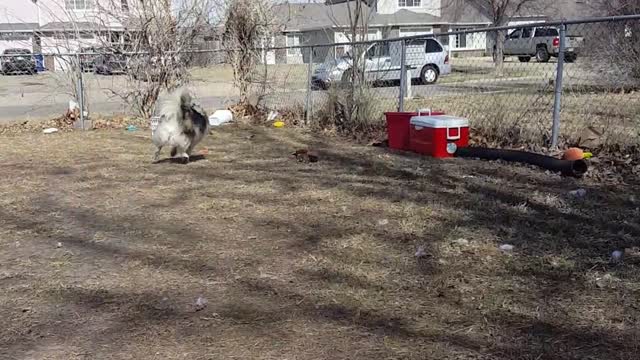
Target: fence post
[557,103]
[307,105]
[403,76]
[80,87]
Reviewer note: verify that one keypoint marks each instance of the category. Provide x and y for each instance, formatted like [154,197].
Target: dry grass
[103,254]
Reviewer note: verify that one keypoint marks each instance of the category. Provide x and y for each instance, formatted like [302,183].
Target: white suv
[427,60]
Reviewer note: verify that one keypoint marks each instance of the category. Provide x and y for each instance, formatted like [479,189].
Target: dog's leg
[184,157]
[156,154]
[182,154]
[174,151]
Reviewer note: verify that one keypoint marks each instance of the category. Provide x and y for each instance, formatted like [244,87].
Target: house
[61,26]
[325,23]
[18,21]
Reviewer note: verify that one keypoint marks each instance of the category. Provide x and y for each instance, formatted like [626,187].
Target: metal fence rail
[556,80]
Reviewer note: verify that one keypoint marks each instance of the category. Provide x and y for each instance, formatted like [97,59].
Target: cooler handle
[420,111]
[455,137]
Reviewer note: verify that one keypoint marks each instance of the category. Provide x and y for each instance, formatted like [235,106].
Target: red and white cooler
[438,135]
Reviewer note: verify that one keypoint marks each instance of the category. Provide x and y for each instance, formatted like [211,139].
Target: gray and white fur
[182,125]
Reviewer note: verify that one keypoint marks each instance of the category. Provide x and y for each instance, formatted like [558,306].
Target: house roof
[69,25]
[300,17]
[7,27]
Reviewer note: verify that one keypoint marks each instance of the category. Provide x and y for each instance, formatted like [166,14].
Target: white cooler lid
[439,121]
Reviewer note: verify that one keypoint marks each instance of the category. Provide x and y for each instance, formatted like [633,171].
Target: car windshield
[17,52]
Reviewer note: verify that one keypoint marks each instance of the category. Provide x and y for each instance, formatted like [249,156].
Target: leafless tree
[613,49]
[156,41]
[248,28]
[499,12]
[352,103]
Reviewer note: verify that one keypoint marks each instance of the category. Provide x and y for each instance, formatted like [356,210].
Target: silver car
[426,59]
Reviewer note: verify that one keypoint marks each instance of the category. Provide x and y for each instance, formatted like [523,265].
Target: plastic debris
[201,303]
[73,105]
[272,116]
[220,117]
[278,124]
[50,130]
[59,245]
[420,253]
[132,128]
[617,256]
[578,193]
[461,241]
[506,247]
[383,222]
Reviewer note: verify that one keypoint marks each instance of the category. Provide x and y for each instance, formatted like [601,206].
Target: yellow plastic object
[587,155]
[278,124]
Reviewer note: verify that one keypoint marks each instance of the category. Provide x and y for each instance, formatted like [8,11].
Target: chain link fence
[582,76]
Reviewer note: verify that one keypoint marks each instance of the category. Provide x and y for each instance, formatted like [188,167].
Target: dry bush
[247,24]
[614,47]
[351,112]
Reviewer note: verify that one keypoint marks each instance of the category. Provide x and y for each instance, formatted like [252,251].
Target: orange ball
[573,154]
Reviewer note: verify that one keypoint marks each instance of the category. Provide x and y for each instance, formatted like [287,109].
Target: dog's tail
[177,103]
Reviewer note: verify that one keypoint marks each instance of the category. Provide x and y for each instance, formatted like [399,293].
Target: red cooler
[438,135]
[398,128]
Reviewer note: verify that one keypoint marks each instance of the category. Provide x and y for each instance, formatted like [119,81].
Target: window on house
[79,4]
[408,3]
[460,40]
[125,5]
[293,40]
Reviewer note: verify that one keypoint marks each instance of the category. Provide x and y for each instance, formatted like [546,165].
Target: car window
[433,46]
[378,50]
[526,33]
[515,34]
[541,32]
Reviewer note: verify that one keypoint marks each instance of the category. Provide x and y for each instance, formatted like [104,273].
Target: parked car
[17,61]
[155,68]
[543,42]
[87,57]
[426,59]
[109,64]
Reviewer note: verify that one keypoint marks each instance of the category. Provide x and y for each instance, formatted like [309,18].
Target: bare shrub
[614,52]
[247,24]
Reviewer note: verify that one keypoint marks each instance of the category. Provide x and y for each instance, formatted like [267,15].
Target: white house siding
[56,11]
[64,45]
[342,37]
[414,31]
[432,7]
[469,41]
[16,41]
[18,11]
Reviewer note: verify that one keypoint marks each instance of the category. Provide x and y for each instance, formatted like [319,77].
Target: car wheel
[524,59]
[570,58]
[542,55]
[428,75]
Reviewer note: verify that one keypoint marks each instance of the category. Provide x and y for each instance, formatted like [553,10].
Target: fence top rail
[590,20]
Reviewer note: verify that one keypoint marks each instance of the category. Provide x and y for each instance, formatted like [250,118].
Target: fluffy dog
[183,124]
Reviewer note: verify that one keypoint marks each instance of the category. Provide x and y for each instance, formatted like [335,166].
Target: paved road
[42,96]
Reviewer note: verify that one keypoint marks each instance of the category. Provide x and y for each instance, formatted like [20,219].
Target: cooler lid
[439,121]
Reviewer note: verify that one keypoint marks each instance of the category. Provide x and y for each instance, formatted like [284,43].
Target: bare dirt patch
[103,254]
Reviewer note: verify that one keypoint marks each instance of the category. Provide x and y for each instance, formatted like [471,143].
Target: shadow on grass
[461,306]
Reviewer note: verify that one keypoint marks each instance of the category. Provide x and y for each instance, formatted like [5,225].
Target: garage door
[416,31]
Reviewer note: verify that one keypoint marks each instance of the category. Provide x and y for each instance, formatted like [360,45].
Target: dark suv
[110,63]
[17,61]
